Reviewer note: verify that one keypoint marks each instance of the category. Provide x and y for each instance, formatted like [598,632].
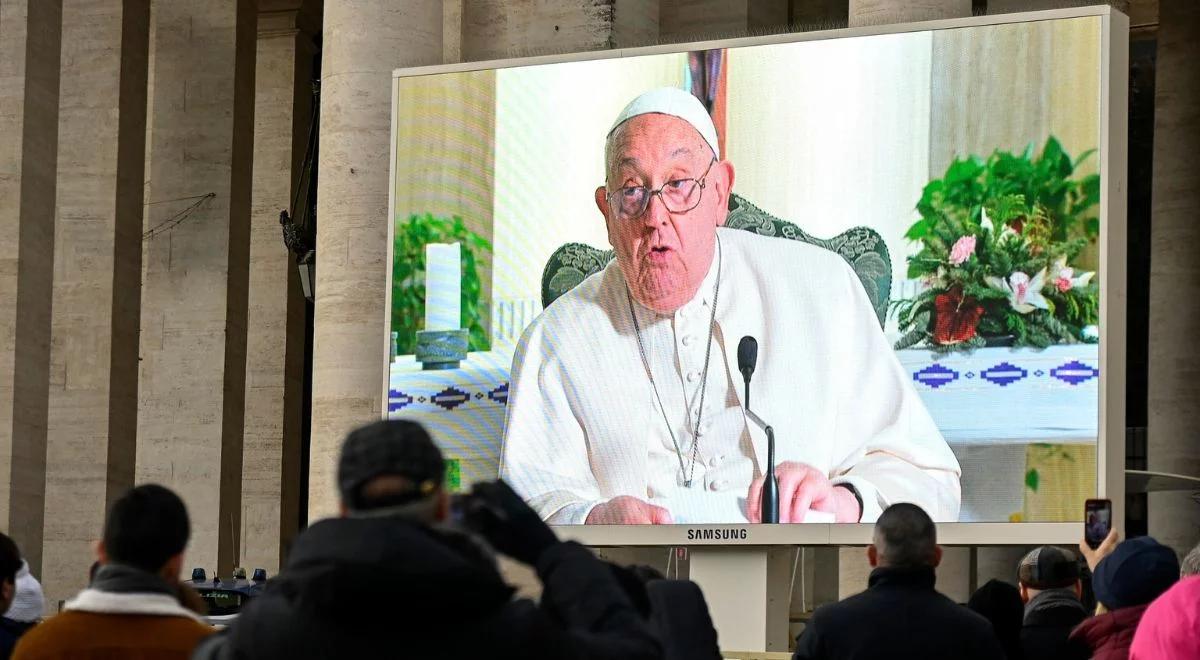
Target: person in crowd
[1126,576]
[1191,563]
[1000,603]
[11,565]
[132,608]
[1049,583]
[1170,628]
[900,615]
[617,414]
[391,573]
[29,603]
[676,610]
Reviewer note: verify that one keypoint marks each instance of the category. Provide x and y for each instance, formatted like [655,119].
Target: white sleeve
[887,445]
[544,455]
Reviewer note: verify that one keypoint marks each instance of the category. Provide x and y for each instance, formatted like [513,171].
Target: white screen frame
[1110,472]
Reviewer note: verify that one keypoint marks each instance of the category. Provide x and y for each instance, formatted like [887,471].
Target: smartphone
[1097,521]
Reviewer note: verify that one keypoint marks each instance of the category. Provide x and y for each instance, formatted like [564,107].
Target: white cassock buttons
[718,485]
[693,376]
[687,340]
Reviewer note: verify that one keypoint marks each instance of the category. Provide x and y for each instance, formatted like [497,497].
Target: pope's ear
[602,204]
[722,184]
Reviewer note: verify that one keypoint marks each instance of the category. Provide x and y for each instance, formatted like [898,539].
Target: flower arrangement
[999,239]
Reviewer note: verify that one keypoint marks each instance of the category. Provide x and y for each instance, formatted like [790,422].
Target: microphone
[747,361]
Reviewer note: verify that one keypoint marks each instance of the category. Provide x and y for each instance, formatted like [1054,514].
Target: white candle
[443,286]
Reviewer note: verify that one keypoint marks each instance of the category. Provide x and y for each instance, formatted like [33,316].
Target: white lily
[1024,293]
[986,223]
[1065,278]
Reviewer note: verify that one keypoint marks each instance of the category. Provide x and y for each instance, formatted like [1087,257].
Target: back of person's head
[1170,627]
[392,467]
[147,528]
[10,563]
[1048,567]
[1000,603]
[1137,572]
[1191,563]
[905,537]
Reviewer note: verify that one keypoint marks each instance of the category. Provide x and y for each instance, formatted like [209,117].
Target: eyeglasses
[677,196]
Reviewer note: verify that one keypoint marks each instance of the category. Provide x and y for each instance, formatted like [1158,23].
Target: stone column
[499,29]
[363,43]
[1011,6]
[883,12]
[692,20]
[1174,392]
[92,428]
[30,35]
[275,328]
[193,337]
[818,14]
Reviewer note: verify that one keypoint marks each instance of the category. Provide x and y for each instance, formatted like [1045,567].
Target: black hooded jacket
[1049,618]
[385,587]
[899,616]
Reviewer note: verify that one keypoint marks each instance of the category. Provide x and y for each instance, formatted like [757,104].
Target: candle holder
[441,349]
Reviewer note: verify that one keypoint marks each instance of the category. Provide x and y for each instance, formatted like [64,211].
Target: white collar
[107,602]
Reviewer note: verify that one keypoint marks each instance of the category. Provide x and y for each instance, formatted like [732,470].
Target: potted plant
[999,242]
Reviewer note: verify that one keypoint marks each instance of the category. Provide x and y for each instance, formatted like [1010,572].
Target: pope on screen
[626,402]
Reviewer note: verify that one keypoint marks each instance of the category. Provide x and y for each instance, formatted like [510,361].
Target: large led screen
[907,225]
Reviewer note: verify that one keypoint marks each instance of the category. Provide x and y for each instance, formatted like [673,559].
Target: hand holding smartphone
[1097,521]
[1099,537]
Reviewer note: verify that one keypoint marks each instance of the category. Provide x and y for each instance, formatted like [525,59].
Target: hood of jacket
[1055,607]
[1111,632]
[389,568]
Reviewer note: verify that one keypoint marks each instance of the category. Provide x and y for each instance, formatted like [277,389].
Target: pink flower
[962,250]
[1065,278]
[1063,281]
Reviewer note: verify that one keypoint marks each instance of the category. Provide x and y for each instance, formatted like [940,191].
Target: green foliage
[1028,214]
[408,277]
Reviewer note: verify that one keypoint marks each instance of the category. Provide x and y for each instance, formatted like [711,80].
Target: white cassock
[584,424]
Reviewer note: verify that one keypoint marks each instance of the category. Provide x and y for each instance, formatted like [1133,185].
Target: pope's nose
[656,213]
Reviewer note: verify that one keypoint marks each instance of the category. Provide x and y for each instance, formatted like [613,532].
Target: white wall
[834,134]
[550,158]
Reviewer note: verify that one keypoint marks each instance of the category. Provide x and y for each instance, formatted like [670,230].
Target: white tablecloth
[989,405]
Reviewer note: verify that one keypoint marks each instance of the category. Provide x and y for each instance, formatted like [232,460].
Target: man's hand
[498,514]
[803,487]
[1105,549]
[626,510]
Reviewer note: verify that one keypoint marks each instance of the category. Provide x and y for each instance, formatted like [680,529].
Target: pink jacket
[1170,628]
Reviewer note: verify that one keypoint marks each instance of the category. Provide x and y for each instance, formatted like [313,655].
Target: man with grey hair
[393,576]
[1191,563]
[1050,588]
[627,406]
[900,615]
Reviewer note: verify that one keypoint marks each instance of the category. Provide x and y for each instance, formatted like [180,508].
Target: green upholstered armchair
[862,247]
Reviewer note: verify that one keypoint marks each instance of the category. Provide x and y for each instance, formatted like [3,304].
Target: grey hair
[1191,563]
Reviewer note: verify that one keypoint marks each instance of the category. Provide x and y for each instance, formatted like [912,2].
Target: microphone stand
[770,490]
